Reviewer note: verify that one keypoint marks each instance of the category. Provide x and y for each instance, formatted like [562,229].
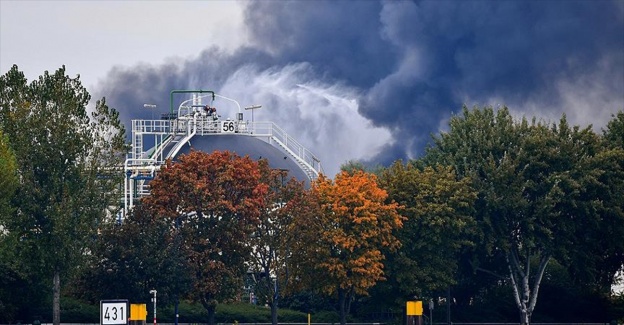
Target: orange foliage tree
[213,202]
[343,240]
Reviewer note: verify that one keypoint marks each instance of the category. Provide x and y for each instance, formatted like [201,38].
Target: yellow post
[414,308]
[414,311]
[138,314]
[308,319]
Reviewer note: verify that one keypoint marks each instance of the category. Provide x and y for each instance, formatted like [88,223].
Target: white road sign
[114,312]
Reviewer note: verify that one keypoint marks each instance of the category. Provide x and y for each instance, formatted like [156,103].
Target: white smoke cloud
[588,99]
[322,116]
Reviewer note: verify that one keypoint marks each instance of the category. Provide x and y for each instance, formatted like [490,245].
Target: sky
[367,81]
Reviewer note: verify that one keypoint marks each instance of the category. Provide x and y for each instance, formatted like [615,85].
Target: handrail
[159,150]
[308,169]
[270,130]
[191,133]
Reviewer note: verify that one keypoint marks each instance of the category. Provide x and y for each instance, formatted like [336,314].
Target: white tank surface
[243,146]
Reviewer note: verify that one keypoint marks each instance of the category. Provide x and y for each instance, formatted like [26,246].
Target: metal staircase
[309,170]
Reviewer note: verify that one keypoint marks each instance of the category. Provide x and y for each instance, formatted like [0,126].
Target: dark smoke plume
[372,80]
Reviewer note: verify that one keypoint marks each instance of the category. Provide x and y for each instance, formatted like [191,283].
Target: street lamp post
[153,292]
[274,301]
[150,106]
[448,305]
[252,108]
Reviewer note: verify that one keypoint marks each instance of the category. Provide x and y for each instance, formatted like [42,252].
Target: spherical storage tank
[243,146]
[199,127]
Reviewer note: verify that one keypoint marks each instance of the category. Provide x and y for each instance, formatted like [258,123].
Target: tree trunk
[211,306]
[211,314]
[176,311]
[525,319]
[56,300]
[342,301]
[525,294]
[274,311]
[349,299]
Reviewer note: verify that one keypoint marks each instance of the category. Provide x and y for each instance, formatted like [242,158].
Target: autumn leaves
[233,210]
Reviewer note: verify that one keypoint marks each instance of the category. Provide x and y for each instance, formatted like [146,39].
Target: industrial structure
[197,123]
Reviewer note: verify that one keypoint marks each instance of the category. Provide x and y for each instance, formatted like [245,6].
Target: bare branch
[492,273]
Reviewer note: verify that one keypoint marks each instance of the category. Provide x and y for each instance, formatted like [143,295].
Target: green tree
[439,224]
[353,166]
[61,155]
[17,287]
[8,185]
[614,133]
[607,250]
[538,190]
[133,257]
[8,176]
[213,201]
[347,234]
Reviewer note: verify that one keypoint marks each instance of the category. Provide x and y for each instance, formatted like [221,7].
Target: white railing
[151,126]
[270,132]
[182,129]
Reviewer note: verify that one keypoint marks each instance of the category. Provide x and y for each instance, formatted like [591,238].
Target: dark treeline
[503,219]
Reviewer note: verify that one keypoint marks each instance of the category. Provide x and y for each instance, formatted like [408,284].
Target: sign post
[114,312]
[431,311]
[153,292]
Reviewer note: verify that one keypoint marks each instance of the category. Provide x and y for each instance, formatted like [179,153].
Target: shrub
[326,317]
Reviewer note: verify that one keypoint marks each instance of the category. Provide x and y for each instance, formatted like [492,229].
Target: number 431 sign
[114,312]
